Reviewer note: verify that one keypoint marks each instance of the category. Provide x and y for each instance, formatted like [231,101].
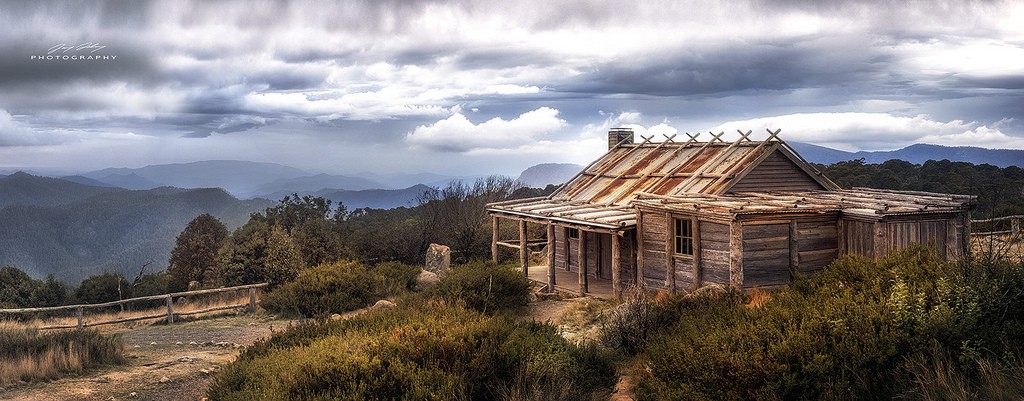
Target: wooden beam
[670,260]
[879,239]
[794,248]
[524,260]
[582,252]
[616,265]
[697,276]
[494,239]
[736,254]
[551,257]
[640,250]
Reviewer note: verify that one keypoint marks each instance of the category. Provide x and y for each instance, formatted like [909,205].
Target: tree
[195,251]
[104,287]
[241,260]
[283,260]
[456,215]
[19,290]
[294,211]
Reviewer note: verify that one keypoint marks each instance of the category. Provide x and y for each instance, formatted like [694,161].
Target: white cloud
[873,131]
[458,134]
[15,133]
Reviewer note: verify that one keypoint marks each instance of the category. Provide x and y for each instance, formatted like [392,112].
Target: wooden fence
[169,314]
[1014,229]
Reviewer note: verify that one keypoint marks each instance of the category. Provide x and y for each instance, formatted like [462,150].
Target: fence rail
[169,314]
[1014,230]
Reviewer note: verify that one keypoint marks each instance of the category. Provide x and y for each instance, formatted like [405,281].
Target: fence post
[252,299]
[1015,228]
[170,309]
[78,313]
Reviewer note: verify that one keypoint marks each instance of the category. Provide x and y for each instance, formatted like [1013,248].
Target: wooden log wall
[766,254]
[926,232]
[776,173]
[857,238]
[655,238]
[817,243]
[714,253]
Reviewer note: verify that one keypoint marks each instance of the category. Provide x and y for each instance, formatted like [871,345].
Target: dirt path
[165,362]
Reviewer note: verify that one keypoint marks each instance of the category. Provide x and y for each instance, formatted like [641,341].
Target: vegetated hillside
[234,176]
[312,183]
[114,231]
[26,189]
[918,153]
[542,175]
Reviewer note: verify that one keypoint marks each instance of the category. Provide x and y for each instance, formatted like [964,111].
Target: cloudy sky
[464,87]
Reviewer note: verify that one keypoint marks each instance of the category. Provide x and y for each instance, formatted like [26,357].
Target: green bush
[325,289]
[843,334]
[339,287]
[430,350]
[485,287]
[395,278]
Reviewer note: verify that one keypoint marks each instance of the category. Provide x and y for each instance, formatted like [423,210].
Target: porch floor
[569,281]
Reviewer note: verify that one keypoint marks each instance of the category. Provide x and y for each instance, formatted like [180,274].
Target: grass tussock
[191,304]
[28,355]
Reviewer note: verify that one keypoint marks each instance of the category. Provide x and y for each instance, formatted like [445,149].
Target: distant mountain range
[917,154]
[542,175]
[72,230]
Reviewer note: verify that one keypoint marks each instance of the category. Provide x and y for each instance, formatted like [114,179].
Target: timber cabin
[677,216]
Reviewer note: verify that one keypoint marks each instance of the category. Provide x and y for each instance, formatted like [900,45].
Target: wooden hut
[678,215]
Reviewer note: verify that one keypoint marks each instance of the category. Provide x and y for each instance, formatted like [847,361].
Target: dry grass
[996,247]
[28,355]
[153,308]
[936,377]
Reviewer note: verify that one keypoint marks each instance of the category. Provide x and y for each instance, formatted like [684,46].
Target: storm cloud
[453,85]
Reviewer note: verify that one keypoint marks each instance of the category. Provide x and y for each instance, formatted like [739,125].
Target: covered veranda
[588,220]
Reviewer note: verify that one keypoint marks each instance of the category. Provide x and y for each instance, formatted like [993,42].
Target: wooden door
[604,245]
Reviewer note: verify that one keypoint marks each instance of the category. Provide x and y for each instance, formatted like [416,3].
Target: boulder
[426,280]
[383,304]
[439,259]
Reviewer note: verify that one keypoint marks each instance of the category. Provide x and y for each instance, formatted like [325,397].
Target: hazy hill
[916,154]
[311,183]
[87,181]
[128,181]
[26,189]
[541,175]
[234,176]
[376,198]
[114,230]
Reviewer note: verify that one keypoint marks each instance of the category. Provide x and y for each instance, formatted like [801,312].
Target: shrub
[431,350]
[325,289]
[395,278]
[846,333]
[29,354]
[485,287]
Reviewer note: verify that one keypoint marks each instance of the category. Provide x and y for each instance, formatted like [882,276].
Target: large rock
[383,304]
[426,280]
[439,259]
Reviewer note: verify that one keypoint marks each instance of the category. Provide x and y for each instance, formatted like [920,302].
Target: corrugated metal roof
[866,202]
[660,168]
[666,168]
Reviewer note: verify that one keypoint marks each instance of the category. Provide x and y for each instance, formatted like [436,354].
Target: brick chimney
[616,135]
